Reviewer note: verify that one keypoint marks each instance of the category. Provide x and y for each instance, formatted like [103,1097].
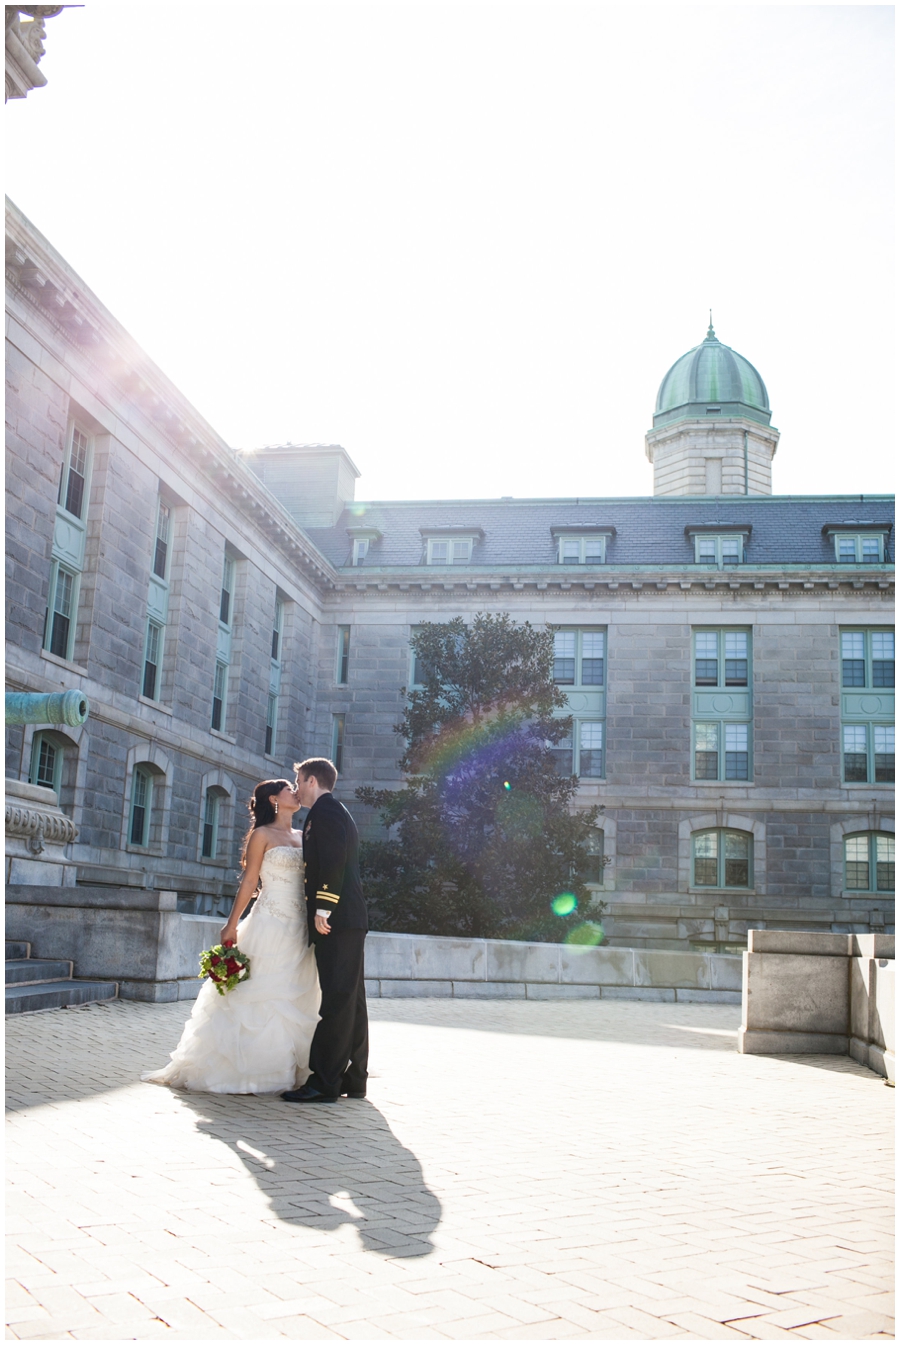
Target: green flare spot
[507,785]
[564,904]
[587,935]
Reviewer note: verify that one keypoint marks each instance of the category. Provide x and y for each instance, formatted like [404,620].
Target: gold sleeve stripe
[327,896]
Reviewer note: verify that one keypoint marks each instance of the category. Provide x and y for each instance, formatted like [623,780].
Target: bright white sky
[467,240]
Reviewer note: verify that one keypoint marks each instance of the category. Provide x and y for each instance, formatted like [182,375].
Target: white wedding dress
[256,1037]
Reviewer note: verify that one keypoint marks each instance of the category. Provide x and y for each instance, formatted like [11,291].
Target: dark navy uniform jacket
[331,855]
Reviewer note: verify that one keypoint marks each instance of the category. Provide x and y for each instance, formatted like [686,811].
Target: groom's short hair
[320,769]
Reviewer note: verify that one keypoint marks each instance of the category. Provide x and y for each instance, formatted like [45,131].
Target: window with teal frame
[579,669]
[46,762]
[869,862]
[722,706]
[867,705]
[722,859]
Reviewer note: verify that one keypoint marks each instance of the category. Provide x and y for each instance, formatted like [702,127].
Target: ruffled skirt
[255,1038]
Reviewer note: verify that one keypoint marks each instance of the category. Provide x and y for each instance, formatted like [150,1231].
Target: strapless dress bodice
[281,893]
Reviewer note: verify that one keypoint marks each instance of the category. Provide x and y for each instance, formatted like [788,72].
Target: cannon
[56,707]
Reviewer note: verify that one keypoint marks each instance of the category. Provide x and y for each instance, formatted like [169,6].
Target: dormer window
[865,548]
[449,550]
[582,550]
[581,544]
[362,539]
[858,541]
[719,550]
[719,542]
[450,545]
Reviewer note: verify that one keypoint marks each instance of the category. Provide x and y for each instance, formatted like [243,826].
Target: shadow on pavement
[324,1166]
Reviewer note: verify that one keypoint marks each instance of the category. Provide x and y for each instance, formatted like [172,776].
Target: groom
[336,911]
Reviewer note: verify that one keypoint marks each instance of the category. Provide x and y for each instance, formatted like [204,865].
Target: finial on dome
[710,335]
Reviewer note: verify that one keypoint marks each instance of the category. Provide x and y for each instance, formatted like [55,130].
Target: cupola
[711,430]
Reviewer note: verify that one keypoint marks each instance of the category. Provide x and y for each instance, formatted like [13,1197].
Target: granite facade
[294,547]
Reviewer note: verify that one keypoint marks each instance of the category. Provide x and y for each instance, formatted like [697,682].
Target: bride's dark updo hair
[262,809]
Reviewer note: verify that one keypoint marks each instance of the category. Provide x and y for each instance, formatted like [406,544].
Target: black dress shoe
[306,1094]
[354,1095]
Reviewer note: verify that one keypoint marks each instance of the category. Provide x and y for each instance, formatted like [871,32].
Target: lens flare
[585,936]
[507,785]
[564,904]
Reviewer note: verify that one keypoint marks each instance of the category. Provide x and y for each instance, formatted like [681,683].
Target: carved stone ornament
[35,825]
[25,35]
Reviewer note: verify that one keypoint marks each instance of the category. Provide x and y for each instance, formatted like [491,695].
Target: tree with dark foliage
[481,837]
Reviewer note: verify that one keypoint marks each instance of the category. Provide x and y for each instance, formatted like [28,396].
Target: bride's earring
[275,806]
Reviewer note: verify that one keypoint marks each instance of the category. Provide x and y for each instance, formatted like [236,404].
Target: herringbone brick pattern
[520,1171]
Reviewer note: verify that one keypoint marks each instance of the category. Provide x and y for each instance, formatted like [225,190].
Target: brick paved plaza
[520,1171]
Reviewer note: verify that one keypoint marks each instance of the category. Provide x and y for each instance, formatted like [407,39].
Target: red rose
[231,966]
[214,961]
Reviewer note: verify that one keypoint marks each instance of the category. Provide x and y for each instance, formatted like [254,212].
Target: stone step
[15,950]
[57,995]
[36,971]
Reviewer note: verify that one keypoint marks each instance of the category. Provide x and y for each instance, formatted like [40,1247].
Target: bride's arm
[256,848]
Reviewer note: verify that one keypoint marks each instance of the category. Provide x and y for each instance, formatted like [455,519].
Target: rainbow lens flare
[507,785]
[564,904]
[585,936]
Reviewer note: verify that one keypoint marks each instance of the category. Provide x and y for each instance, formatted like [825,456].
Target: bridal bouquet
[225,965]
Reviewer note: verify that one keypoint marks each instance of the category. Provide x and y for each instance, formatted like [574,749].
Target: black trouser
[339,1053]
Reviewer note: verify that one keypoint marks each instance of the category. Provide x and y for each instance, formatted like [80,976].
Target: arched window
[722,858]
[141,802]
[869,862]
[46,762]
[209,845]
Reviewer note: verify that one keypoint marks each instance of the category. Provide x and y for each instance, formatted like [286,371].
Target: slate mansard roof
[783,530]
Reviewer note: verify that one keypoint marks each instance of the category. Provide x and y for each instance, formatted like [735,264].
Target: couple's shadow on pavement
[325,1166]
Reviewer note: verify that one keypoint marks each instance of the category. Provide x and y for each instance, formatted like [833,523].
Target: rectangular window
[867,658]
[579,658]
[721,750]
[277,628]
[706,751]
[152,650]
[343,656]
[590,755]
[866,548]
[592,873]
[271,718]
[718,549]
[883,735]
[220,688]
[360,549]
[449,550]
[582,550]
[161,548]
[337,741]
[722,658]
[868,753]
[141,789]
[60,622]
[225,600]
[210,825]
[46,763]
[73,479]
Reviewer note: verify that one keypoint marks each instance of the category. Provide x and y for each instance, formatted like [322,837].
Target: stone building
[727,653]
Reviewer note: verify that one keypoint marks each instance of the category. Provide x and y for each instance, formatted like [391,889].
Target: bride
[256,1037]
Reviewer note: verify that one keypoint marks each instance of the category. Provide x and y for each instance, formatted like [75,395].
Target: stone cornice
[620,582]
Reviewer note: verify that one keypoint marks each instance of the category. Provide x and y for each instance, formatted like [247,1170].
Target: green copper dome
[711,380]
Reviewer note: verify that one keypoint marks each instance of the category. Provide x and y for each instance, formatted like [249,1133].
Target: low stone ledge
[806,992]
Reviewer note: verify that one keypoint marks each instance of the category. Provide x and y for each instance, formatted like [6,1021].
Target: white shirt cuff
[327,914]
